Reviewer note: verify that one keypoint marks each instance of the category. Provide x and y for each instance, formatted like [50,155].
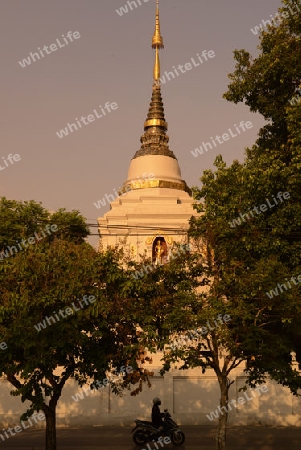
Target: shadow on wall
[189,398]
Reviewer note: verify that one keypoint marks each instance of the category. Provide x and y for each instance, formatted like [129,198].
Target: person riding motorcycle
[157,415]
[145,431]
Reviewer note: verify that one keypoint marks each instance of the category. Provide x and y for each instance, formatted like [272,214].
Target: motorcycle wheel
[139,437]
[178,438]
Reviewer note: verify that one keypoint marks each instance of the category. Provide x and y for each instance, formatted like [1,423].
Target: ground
[197,437]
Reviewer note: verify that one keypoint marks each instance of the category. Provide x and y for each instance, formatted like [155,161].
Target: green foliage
[238,264]
[19,220]
[267,83]
[251,257]
[42,281]
[71,225]
[52,330]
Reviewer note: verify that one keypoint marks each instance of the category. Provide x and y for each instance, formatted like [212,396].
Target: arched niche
[159,250]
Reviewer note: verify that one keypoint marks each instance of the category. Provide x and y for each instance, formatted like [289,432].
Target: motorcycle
[144,431]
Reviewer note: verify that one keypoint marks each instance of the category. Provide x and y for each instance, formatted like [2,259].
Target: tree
[23,220]
[243,266]
[71,224]
[63,314]
[247,252]
[253,250]
[267,83]
[19,220]
[270,84]
[210,306]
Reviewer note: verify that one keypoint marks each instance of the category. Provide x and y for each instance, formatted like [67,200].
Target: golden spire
[154,141]
[157,43]
[155,117]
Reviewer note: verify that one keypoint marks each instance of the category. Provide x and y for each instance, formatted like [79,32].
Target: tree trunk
[49,411]
[223,413]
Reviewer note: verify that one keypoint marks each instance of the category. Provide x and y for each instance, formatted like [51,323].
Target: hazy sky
[112,61]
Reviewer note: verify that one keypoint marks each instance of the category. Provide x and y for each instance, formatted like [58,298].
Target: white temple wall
[188,395]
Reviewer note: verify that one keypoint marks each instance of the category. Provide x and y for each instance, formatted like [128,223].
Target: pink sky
[112,61]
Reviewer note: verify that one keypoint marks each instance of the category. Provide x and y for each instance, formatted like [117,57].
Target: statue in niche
[159,250]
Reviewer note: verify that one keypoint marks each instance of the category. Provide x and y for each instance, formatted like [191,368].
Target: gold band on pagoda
[133,185]
[155,122]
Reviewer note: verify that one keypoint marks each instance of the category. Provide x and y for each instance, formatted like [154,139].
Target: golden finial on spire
[157,38]
[157,43]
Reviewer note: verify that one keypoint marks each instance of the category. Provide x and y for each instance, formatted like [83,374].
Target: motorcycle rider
[155,430]
[157,415]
